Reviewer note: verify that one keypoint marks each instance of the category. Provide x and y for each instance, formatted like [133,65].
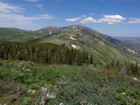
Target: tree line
[47,53]
[132,68]
[129,68]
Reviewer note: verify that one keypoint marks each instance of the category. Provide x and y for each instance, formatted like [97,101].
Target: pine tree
[136,69]
[91,59]
[118,63]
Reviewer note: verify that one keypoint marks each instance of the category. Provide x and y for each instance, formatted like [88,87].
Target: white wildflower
[50,96]
[134,78]
[27,69]
[123,93]
[61,104]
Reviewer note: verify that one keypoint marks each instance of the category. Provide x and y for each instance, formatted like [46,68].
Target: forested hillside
[43,53]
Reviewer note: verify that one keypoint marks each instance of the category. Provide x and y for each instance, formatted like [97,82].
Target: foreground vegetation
[27,83]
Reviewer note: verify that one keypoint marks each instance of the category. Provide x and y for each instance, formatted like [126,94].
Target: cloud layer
[109,19]
[11,16]
[6,8]
[16,16]
[88,20]
[134,20]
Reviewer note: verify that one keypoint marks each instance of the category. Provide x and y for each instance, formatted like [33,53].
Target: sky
[111,17]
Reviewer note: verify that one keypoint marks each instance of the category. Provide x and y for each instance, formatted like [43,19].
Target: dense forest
[43,53]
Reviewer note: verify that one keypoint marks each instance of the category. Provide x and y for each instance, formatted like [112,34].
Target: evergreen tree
[118,63]
[91,59]
[42,53]
[136,69]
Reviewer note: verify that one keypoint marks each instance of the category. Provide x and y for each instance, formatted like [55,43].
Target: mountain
[13,34]
[49,30]
[134,39]
[54,29]
[103,48]
[131,43]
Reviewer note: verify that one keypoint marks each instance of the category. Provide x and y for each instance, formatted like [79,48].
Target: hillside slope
[86,39]
[13,34]
[103,48]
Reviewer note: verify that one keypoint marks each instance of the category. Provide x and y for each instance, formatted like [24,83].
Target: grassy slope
[72,85]
[11,34]
[100,49]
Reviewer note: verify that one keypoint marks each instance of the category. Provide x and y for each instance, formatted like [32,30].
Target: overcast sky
[112,17]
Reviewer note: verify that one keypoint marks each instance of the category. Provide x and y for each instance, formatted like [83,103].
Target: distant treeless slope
[13,34]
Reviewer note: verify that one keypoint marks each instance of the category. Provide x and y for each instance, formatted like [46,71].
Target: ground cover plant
[28,83]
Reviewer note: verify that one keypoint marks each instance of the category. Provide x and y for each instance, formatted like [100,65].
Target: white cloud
[18,17]
[4,7]
[32,0]
[11,17]
[21,21]
[13,20]
[88,20]
[111,19]
[134,20]
[73,19]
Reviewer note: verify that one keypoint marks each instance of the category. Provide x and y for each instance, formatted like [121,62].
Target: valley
[131,45]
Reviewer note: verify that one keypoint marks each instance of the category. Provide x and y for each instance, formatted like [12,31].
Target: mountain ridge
[103,47]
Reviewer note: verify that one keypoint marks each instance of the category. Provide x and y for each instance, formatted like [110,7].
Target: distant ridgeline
[47,53]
